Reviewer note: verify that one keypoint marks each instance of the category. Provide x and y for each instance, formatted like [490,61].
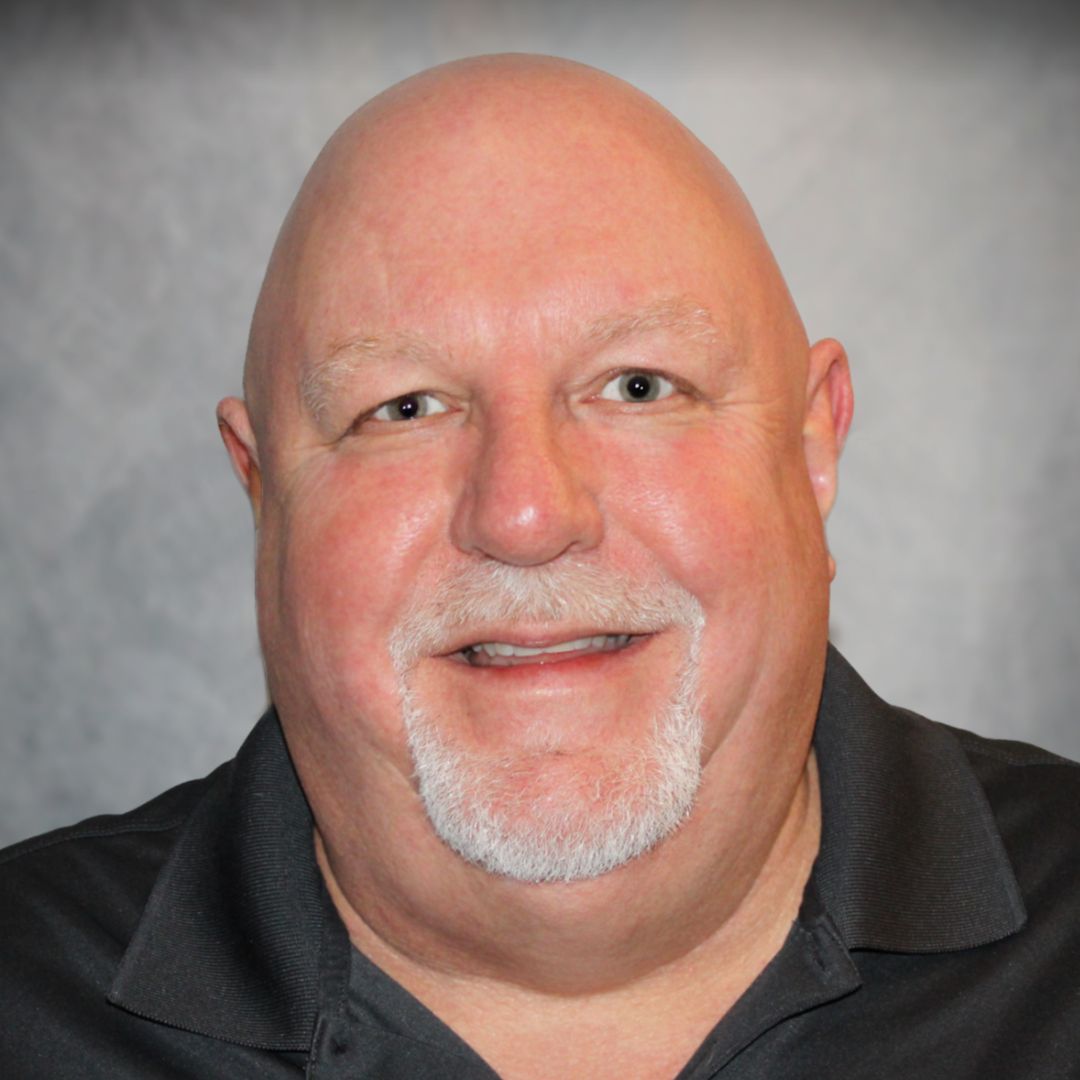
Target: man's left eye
[637,386]
[409,407]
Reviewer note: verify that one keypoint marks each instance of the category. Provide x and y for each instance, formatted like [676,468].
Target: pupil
[408,407]
[638,386]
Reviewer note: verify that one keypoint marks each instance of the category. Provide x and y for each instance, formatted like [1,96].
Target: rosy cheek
[357,534]
[699,504]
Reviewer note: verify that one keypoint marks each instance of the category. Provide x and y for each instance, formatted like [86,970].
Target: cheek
[736,526]
[353,539]
[707,509]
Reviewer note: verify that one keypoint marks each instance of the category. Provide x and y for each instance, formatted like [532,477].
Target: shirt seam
[33,847]
[975,747]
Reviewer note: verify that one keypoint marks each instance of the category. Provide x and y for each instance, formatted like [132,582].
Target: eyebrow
[680,314]
[322,378]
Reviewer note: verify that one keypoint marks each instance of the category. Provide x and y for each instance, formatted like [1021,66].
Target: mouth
[511,654]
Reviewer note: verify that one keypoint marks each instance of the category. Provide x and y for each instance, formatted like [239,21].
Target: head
[539,458]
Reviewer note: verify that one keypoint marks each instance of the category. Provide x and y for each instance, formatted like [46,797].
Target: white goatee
[537,817]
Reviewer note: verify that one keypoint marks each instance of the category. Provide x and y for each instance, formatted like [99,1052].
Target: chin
[558,817]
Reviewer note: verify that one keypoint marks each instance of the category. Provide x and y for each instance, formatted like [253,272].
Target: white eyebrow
[680,314]
[321,379]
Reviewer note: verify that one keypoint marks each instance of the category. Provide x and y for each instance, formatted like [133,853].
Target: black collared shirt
[939,936]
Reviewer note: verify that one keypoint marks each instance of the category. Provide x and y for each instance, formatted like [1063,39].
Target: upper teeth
[503,648]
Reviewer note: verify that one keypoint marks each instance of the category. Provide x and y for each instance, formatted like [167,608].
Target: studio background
[916,170]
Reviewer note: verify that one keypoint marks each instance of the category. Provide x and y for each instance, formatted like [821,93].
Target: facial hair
[502,811]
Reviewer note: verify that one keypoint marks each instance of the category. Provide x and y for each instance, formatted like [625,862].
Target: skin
[471,233]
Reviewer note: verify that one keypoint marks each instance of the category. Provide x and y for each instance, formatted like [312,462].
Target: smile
[505,654]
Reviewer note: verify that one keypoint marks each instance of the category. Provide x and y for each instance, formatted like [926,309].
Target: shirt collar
[911,858]
[239,929]
[229,942]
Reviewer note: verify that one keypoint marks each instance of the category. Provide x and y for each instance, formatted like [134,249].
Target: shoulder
[1033,801]
[121,851]
[1024,784]
[1007,757]
[69,902]
[97,872]
[1034,796]
[934,838]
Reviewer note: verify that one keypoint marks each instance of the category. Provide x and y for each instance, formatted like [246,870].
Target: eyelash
[668,388]
[401,400]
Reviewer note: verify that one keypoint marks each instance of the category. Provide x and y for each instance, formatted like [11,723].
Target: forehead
[453,272]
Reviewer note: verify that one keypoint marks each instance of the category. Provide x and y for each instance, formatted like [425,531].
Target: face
[540,560]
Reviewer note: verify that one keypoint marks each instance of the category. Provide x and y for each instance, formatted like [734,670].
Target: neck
[712,899]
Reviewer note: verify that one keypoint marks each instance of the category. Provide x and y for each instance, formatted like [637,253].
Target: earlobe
[830,403]
[234,423]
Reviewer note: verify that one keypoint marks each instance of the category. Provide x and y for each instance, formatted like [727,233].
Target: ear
[234,423]
[830,403]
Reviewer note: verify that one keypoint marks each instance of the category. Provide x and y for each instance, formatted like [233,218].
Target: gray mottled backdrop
[917,169]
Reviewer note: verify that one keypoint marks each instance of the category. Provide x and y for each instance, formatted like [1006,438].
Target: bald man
[560,777]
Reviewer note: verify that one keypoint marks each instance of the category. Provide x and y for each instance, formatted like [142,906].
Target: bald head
[520,325]
[507,162]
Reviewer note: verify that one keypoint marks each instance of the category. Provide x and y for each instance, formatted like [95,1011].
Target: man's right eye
[409,407]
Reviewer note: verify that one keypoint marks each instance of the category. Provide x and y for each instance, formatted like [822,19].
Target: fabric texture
[938,937]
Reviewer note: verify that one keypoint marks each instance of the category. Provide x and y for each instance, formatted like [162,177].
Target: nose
[526,497]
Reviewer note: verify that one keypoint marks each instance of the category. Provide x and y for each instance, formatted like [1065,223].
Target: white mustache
[567,592]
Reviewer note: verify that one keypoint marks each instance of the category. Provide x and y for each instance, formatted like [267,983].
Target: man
[539,459]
